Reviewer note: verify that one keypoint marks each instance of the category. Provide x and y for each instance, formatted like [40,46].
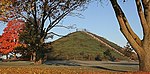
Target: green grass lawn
[68,67]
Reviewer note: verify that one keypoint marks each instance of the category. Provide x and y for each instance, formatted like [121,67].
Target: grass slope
[79,46]
[108,42]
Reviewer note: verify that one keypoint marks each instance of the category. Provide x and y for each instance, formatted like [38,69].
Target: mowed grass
[86,67]
[44,70]
[23,67]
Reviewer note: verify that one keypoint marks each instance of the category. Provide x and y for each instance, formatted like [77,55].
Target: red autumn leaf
[9,39]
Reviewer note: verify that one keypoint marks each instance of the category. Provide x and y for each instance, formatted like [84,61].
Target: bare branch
[35,13]
[144,3]
[120,13]
[24,17]
[129,37]
[49,11]
[142,17]
[56,21]
[125,29]
[44,15]
[55,34]
[146,6]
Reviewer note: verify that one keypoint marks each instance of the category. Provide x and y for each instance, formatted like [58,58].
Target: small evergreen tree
[108,54]
[128,50]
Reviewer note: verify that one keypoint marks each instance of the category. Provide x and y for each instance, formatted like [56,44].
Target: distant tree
[10,38]
[98,58]
[108,54]
[128,50]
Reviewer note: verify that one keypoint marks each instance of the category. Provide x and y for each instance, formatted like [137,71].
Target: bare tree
[142,47]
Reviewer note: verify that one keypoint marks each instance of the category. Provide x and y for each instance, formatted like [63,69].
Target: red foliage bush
[10,38]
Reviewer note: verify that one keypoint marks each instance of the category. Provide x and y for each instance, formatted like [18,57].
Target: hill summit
[82,45]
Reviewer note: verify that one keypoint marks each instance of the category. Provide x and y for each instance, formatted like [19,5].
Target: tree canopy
[10,38]
[40,11]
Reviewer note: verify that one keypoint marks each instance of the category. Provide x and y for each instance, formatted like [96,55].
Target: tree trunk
[33,56]
[144,63]
[15,57]
[7,56]
[40,61]
[142,47]
[39,57]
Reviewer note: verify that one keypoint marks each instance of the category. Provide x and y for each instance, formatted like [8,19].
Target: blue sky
[100,19]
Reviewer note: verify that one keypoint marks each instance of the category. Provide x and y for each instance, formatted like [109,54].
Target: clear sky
[100,19]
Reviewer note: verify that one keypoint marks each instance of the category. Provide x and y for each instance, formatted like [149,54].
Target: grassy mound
[80,46]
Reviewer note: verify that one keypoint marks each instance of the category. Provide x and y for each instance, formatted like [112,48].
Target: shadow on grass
[131,64]
[99,67]
[72,63]
[64,63]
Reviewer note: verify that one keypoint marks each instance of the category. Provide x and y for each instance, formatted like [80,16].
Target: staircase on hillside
[90,34]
